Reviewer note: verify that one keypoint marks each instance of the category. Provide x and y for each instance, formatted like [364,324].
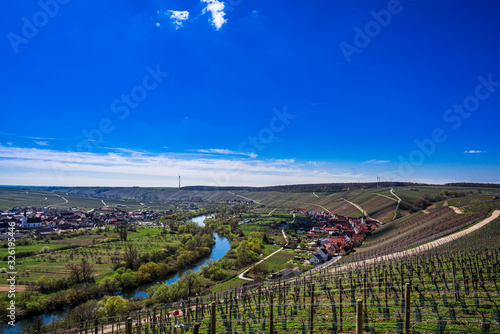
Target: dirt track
[4,287]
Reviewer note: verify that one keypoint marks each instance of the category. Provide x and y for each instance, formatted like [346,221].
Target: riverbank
[218,251]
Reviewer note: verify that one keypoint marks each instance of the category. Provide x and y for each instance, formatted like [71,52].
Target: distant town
[30,221]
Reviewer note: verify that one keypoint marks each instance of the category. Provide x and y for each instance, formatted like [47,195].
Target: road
[271,211]
[103,203]
[315,194]
[242,274]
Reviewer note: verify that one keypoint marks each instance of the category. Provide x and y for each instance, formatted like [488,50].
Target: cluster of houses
[335,235]
[32,220]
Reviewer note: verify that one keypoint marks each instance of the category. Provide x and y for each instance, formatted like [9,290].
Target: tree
[130,255]
[81,272]
[190,280]
[260,270]
[245,253]
[111,306]
[122,230]
[88,310]
[147,272]
[110,285]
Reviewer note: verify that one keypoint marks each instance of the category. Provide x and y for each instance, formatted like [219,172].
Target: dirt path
[392,199]
[321,206]
[65,200]
[242,274]
[355,205]
[392,192]
[360,209]
[315,194]
[271,211]
[248,199]
[284,236]
[4,287]
[457,210]
[397,206]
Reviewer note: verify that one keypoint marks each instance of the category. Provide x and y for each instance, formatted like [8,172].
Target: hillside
[378,203]
[452,288]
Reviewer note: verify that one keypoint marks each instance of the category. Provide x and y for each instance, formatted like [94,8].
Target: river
[221,247]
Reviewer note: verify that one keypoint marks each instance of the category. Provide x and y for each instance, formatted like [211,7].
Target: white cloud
[217,9]
[179,15]
[41,142]
[474,151]
[37,166]
[374,161]
[225,151]
[39,138]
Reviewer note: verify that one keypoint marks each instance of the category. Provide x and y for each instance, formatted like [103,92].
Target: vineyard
[491,205]
[452,288]
[413,230]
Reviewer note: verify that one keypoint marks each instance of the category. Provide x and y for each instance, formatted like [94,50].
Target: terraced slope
[414,230]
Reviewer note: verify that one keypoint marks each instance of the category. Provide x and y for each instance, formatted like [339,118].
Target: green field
[31,248]
[228,285]
[278,261]
[53,264]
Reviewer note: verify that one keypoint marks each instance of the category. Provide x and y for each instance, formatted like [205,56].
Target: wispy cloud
[40,138]
[225,151]
[474,151]
[41,142]
[26,137]
[179,16]
[374,161]
[216,8]
[39,166]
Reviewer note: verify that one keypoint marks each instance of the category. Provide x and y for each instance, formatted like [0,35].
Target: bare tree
[130,255]
[122,230]
[81,272]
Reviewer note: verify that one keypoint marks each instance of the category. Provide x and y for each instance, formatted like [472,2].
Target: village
[329,235]
[31,221]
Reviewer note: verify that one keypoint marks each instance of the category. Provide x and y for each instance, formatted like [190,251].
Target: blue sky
[248,92]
